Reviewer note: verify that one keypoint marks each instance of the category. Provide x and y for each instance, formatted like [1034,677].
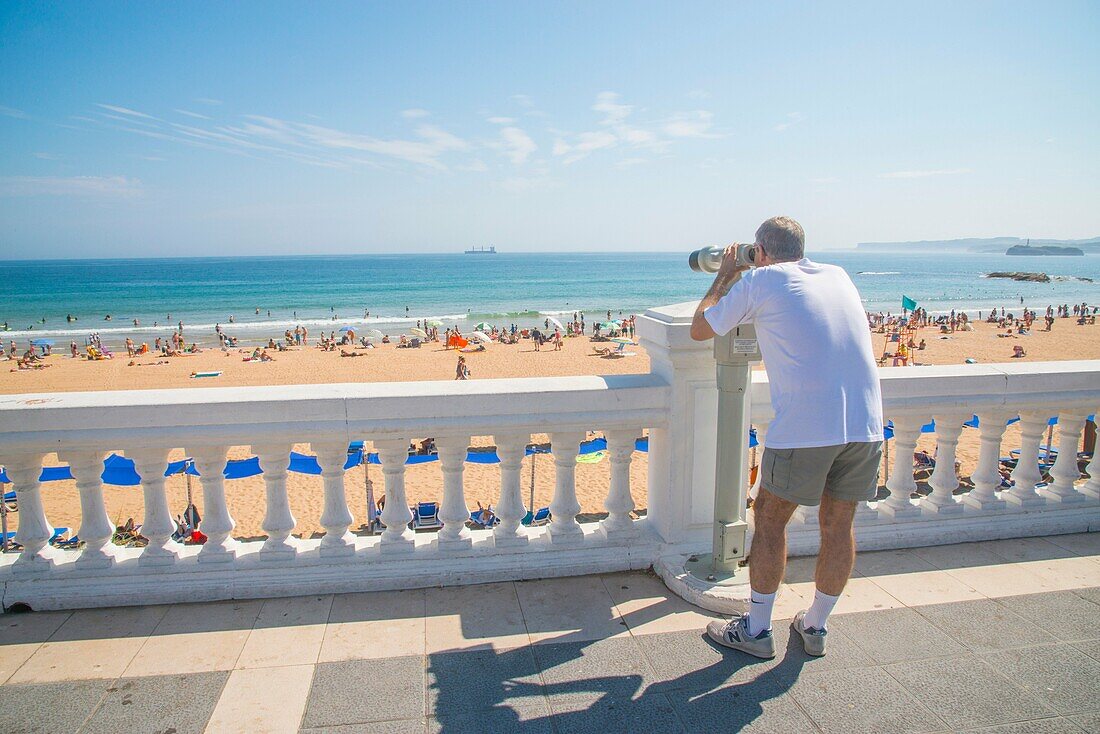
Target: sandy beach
[432,362]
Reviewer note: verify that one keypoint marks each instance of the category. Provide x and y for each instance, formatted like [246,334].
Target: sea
[67,300]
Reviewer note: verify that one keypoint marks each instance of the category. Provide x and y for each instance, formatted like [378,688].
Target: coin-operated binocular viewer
[735,354]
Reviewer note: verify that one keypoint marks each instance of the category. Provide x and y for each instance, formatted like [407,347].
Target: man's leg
[835,559]
[768,556]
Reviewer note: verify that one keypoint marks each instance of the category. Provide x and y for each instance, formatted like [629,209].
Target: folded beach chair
[484,519]
[11,499]
[426,516]
[923,464]
[537,518]
[58,535]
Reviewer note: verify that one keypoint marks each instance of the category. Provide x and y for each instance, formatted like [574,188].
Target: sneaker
[735,634]
[813,639]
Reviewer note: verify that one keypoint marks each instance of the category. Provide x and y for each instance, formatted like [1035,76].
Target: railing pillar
[1026,474]
[1091,488]
[278,521]
[901,483]
[944,480]
[453,512]
[987,475]
[509,533]
[619,503]
[1065,472]
[336,517]
[564,508]
[96,529]
[157,524]
[34,531]
[217,523]
[397,537]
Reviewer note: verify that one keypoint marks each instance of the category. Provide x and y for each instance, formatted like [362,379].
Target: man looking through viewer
[824,445]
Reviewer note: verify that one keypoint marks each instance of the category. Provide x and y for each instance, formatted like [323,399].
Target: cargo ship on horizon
[490,250]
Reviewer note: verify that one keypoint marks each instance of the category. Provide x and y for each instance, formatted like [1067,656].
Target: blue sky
[156,129]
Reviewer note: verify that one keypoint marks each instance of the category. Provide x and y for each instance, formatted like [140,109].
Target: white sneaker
[813,639]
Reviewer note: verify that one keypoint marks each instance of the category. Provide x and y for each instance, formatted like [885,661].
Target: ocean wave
[876,272]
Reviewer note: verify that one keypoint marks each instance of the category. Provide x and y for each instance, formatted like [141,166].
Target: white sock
[760,612]
[818,613]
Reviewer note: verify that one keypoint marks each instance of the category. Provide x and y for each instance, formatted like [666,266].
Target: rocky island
[1044,250]
[1026,277]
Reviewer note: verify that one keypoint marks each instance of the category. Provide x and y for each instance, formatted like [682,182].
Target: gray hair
[782,238]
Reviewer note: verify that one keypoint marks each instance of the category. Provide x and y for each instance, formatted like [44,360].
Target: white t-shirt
[817,350]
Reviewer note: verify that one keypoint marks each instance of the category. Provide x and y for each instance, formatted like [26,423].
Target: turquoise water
[332,291]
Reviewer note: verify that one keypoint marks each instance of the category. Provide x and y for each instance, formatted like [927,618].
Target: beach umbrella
[483,326]
[374,334]
[555,322]
[42,342]
[418,332]
[480,337]
[434,322]
[347,328]
[622,340]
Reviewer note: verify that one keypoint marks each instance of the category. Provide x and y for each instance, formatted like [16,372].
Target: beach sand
[424,482]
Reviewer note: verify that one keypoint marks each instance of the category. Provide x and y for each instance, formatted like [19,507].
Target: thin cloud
[517,144]
[12,112]
[414,113]
[696,124]
[501,120]
[94,186]
[523,100]
[47,156]
[926,173]
[189,113]
[124,111]
[699,94]
[208,101]
[793,118]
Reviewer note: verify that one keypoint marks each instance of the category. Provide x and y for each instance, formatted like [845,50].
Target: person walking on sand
[462,372]
[825,443]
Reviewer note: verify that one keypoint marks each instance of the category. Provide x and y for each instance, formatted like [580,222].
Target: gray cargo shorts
[848,472]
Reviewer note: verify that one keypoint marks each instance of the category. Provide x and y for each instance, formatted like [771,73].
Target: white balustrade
[157,524]
[901,483]
[336,517]
[509,533]
[676,402]
[987,475]
[217,523]
[564,508]
[278,521]
[453,511]
[619,504]
[35,530]
[945,479]
[1065,472]
[96,529]
[1091,488]
[1026,474]
[396,516]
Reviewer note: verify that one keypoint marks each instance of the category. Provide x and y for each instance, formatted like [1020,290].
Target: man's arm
[727,275]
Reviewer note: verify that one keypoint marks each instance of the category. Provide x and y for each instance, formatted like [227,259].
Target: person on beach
[825,443]
[462,372]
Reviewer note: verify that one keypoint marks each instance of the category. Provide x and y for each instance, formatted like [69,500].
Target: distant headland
[984,245]
[1043,250]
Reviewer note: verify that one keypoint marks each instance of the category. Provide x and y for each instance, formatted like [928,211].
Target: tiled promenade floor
[1002,636]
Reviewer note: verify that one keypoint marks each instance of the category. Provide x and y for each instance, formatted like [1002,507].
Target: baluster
[564,508]
[96,529]
[216,522]
[987,475]
[278,519]
[901,483]
[1091,488]
[1026,474]
[1065,471]
[34,531]
[157,524]
[454,513]
[336,517]
[510,510]
[397,537]
[944,480]
[619,503]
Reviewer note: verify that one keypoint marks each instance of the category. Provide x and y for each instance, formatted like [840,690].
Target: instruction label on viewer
[744,346]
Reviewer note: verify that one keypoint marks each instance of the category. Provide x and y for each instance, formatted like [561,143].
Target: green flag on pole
[908,303]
